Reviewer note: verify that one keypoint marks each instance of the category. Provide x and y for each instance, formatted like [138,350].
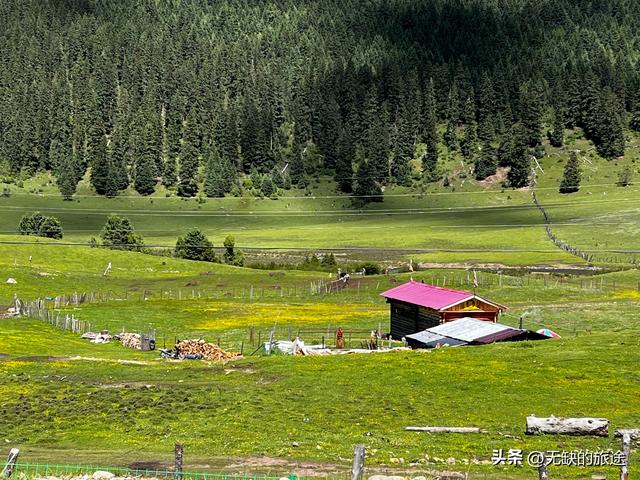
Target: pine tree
[195,246]
[344,163]
[218,176]
[404,149]
[451,136]
[571,177]
[430,159]
[624,178]
[610,140]
[145,181]
[532,107]
[556,134]
[486,163]
[188,186]
[366,189]
[468,144]
[101,172]
[66,178]
[520,163]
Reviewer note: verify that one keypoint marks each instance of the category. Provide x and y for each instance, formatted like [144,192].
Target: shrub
[118,233]
[195,246]
[39,225]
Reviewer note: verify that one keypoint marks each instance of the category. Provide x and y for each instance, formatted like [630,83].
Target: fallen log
[634,433]
[598,427]
[445,429]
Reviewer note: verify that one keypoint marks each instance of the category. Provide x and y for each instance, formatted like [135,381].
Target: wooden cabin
[416,306]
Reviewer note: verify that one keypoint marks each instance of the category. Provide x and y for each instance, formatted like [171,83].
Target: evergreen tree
[101,172]
[66,178]
[468,144]
[486,162]
[366,189]
[344,163]
[520,163]
[195,246]
[451,136]
[218,176]
[188,186]
[430,159]
[571,177]
[556,134]
[145,181]
[609,140]
[118,233]
[624,178]
[532,107]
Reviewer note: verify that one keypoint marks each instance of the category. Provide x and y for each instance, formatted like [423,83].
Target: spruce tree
[571,177]
[486,163]
[66,178]
[366,188]
[556,134]
[101,172]
[188,186]
[520,163]
[218,176]
[430,159]
[195,246]
[468,143]
[145,181]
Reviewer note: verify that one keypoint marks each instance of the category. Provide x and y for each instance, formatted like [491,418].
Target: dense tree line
[194,94]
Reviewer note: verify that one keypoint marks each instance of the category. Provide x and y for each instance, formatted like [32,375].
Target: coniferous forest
[196,94]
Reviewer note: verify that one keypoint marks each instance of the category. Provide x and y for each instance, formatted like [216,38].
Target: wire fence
[40,470]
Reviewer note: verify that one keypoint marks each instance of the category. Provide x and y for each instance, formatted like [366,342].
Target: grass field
[65,400]
[467,222]
[104,404]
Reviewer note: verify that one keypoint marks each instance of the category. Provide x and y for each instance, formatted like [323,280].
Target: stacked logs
[130,340]
[199,349]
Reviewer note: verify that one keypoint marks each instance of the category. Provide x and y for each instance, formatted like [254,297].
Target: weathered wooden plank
[598,427]
[445,429]
[357,469]
[634,433]
[626,451]
[11,463]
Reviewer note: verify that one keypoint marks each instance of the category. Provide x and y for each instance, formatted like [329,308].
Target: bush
[40,225]
[195,246]
[118,233]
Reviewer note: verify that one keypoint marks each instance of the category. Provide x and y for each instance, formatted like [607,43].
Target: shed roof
[428,339]
[471,330]
[426,295]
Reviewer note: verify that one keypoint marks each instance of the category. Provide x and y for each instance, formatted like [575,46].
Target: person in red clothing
[339,338]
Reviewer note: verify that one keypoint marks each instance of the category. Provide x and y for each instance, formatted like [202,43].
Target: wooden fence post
[358,462]
[178,463]
[626,451]
[543,471]
[11,463]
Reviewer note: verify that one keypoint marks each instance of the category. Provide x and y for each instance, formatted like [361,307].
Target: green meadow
[65,400]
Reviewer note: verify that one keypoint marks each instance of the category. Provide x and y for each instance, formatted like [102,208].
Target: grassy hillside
[466,222]
[252,411]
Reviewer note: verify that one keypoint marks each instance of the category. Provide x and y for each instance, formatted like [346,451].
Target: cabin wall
[407,319]
[474,302]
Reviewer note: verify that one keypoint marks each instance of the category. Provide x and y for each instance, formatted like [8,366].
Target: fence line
[589,257]
[68,471]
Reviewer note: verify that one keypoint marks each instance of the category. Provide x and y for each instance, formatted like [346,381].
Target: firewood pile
[198,349]
[130,340]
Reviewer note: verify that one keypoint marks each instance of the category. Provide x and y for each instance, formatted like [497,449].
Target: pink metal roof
[426,295]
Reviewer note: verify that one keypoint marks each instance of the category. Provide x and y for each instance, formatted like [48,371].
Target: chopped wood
[598,427]
[445,429]
[130,340]
[199,349]
[634,433]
